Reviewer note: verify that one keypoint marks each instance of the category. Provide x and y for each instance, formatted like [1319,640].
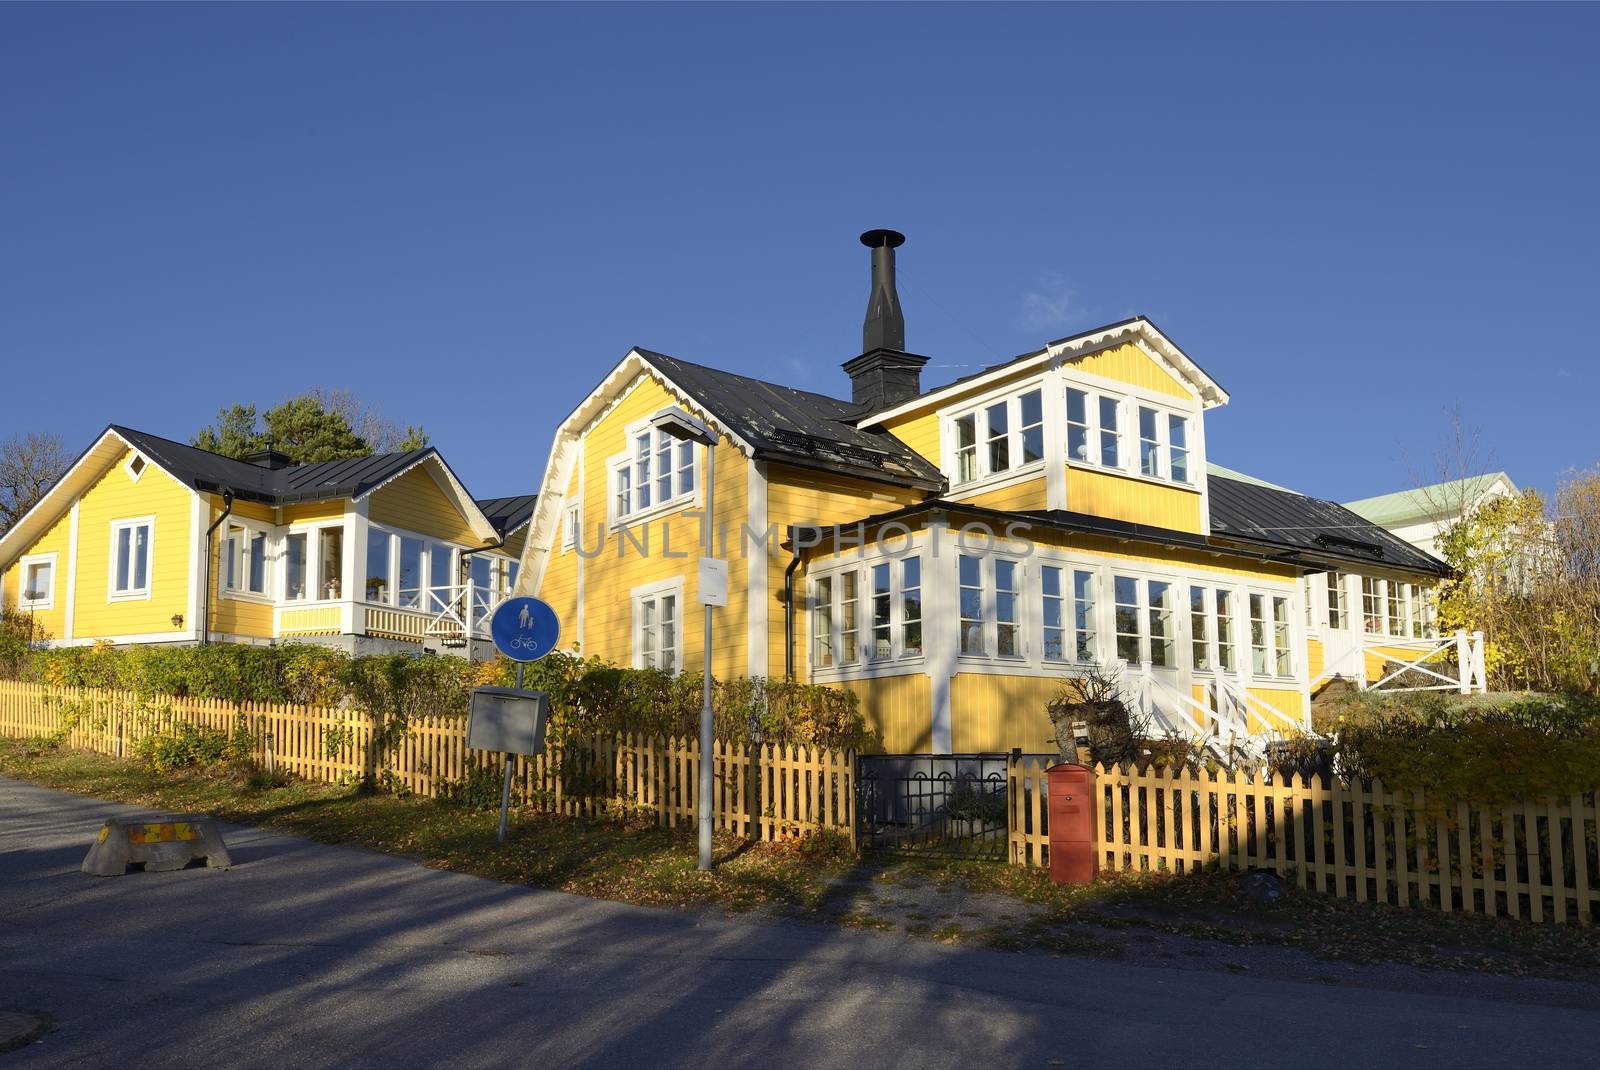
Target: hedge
[587,695]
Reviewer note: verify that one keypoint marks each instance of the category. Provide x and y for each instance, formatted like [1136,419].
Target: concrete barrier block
[155,844]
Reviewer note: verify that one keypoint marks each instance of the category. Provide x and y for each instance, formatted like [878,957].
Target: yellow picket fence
[765,792]
[1536,861]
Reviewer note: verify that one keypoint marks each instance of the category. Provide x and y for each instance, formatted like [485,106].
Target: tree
[319,425]
[29,465]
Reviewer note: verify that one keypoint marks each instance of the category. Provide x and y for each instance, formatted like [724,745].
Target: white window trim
[244,594]
[989,592]
[864,664]
[310,529]
[1011,394]
[47,602]
[135,474]
[143,594]
[650,592]
[617,461]
[571,524]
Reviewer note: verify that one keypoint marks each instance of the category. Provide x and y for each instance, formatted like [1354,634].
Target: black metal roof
[274,486]
[798,427]
[1308,527]
[508,514]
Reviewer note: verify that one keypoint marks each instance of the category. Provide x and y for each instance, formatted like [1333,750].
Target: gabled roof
[508,514]
[798,427]
[1422,503]
[1137,329]
[208,472]
[294,483]
[1309,528]
[1214,470]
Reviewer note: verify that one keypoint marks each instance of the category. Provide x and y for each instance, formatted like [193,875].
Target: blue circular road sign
[524,629]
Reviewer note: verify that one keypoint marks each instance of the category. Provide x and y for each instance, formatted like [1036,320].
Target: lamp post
[685,428]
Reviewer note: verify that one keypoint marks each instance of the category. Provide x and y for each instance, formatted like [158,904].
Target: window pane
[1335,582]
[1149,446]
[1083,614]
[1007,640]
[124,545]
[1396,619]
[1125,591]
[410,585]
[1077,425]
[822,623]
[1178,443]
[1258,635]
[999,439]
[229,559]
[1055,647]
[669,632]
[882,603]
[141,557]
[966,449]
[330,557]
[294,566]
[378,589]
[1371,609]
[1032,416]
[911,605]
[1160,623]
[258,563]
[36,584]
[1110,451]
[647,633]
[971,606]
[1280,636]
[1224,619]
[1199,628]
[849,626]
[441,577]
[686,453]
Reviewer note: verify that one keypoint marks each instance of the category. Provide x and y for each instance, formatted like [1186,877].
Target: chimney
[269,458]
[884,374]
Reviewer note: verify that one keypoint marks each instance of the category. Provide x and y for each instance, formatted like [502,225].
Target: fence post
[1464,667]
[1480,672]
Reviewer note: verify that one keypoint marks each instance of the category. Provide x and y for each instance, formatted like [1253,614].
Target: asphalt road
[307,956]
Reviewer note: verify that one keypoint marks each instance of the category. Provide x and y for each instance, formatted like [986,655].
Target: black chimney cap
[878,239]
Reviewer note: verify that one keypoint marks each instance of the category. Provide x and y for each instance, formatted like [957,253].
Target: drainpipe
[205,568]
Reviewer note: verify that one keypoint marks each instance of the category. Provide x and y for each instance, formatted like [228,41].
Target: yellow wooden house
[147,540]
[953,554]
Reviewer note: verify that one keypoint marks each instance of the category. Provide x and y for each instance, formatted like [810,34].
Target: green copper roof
[1421,502]
[1228,473]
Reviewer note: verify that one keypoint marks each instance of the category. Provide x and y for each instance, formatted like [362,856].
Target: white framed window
[1211,629]
[1271,637]
[297,550]
[572,522]
[1066,602]
[312,563]
[380,566]
[1338,611]
[998,436]
[1371,606]
[38,576]
[1146,623]
[330,561]
[870,613]
[1223,615]
[129,574]
[135,466]
[657,626]
[1157,442]
[657,472]
[244,560]
[990,607]
[1200,630]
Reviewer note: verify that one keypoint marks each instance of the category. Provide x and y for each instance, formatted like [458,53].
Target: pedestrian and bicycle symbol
[524,629]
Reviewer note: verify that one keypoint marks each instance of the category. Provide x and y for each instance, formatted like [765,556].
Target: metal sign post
[512,720]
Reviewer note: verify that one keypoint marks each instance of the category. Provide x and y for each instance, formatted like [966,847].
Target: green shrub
[186,745]
[1527,748]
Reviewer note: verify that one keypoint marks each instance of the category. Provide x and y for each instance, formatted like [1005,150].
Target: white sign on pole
[713,582]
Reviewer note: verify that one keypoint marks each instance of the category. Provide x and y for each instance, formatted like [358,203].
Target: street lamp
[680,425]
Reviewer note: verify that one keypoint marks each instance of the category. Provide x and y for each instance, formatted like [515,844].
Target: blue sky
[1354,217]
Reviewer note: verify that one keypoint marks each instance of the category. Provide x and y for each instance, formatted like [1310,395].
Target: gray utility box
[508,720]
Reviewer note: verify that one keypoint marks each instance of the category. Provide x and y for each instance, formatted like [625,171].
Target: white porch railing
[1471,677]
[451,615]
[1222,728]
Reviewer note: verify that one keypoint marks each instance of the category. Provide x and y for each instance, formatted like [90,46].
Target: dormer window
[657,472]
[136,466]
[999,436]
[1158,445]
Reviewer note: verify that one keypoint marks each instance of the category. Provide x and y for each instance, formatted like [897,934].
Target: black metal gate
[945,805]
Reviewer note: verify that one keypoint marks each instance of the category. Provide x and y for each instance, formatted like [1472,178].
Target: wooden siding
[1028,496]
[1133,500]
[117,496]
[415,503]
[898,711]
[990,713]
[799,496]
[1127,363]
[1316,658]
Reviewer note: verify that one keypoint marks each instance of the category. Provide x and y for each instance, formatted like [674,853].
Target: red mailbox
[1071,798]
